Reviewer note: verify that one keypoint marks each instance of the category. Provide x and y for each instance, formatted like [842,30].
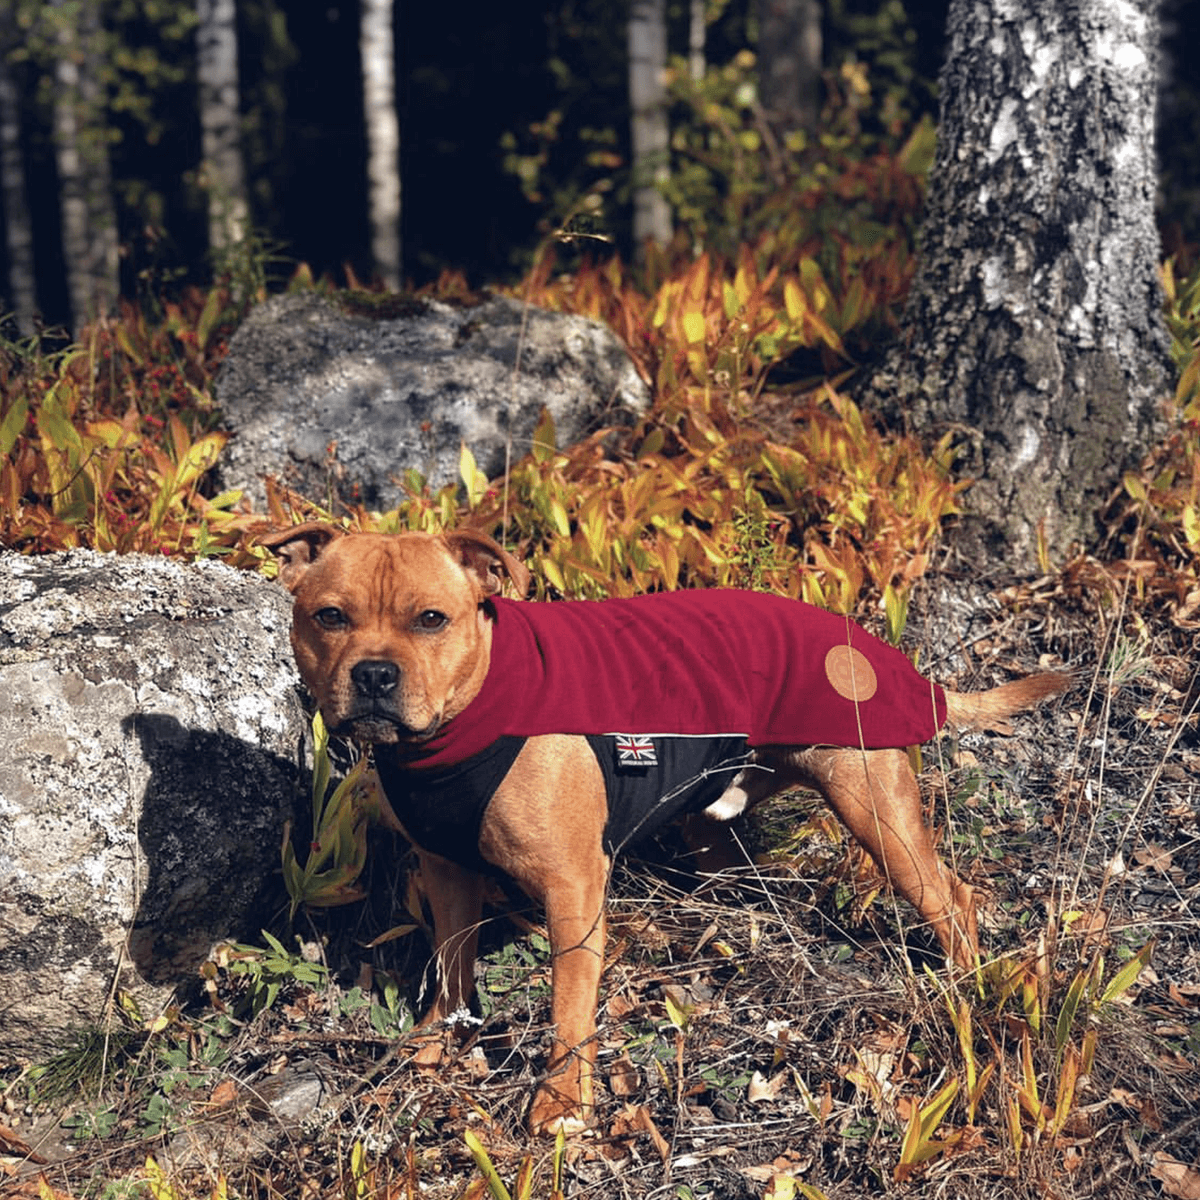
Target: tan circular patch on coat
[850,673]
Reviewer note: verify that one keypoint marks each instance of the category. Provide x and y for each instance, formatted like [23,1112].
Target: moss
[382,306]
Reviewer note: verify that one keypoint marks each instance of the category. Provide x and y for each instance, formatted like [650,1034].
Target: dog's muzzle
[377,715]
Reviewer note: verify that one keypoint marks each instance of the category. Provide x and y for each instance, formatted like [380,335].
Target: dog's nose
[374,678]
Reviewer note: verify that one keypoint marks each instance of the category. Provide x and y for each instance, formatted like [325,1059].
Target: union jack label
[635,750]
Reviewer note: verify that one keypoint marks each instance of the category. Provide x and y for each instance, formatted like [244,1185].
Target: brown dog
[398,637]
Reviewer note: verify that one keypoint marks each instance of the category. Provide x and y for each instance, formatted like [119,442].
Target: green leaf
[730,299]
[1126,977]
[1066,1016]
[545,438]
[485,1166]
[13,424]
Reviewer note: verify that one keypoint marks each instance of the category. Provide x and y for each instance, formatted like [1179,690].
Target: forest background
[506,117]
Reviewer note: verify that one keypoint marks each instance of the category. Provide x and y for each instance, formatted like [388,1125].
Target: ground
[781,1027]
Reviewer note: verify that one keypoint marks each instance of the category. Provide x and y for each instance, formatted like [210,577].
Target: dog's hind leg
[875,794]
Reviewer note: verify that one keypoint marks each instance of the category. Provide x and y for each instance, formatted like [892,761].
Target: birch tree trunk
[377,50]
[789,62]
[697,33]
[1033,326]
[222,172]
[22,288]
[649,128]
[89,219]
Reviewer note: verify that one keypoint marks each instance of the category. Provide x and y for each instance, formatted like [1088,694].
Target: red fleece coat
[718,662]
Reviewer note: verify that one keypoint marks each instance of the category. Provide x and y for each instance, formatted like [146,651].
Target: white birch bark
[376,48]
[222,172]
[22,287]
[649,127]
[88,215]
[1033,326]
[697,32]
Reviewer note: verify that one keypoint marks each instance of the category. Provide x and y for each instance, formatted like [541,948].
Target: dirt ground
[777,1028]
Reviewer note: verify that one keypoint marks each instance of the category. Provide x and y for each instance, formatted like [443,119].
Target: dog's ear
[487,560]
[298,547]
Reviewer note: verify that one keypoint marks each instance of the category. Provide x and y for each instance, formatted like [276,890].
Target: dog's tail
[991,709]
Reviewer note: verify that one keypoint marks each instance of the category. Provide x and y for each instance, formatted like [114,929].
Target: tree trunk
[649,128]
[89,220]
[697,32]
[1033,326]
[789,63]
[377,50]
[22,289]
[222,173]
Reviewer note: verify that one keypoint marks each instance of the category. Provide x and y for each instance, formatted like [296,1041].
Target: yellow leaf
[472,477]
[919,1144]
[782,1187]
[793,300]
[1191,526]
[694,327]
[666,297]
[553,574]
[160,1187]
[198,457]
[558,515]
[678,1014]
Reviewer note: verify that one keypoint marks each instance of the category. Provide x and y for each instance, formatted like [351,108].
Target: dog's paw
[553,1109]
[431,1048]
[570,1124]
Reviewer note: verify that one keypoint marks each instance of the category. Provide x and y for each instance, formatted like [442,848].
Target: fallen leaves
[635,1119]
[12,1145]
[762,1090]
[1177,1178]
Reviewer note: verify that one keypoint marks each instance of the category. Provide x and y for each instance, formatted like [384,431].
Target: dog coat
[670,689]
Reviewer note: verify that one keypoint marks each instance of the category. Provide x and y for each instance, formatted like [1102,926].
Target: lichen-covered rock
[151,726]
[329,400]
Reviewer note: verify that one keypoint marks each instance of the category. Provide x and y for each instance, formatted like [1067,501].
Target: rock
[269,1110]
[151,722]
[304,375]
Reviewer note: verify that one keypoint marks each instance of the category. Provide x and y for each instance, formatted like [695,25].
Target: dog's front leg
[455,896]
[545,827]
[575,919]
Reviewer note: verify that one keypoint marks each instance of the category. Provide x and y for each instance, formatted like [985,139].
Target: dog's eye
[431,620]
[331,618]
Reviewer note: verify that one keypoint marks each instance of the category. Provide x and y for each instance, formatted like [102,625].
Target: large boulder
[151,726]
[333,400]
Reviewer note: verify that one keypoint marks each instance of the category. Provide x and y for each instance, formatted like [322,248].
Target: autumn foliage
[753,467]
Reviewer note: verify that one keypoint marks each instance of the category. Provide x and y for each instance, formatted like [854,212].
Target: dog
[537,739]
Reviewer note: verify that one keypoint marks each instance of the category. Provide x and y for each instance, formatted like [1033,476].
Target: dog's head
[389,631]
